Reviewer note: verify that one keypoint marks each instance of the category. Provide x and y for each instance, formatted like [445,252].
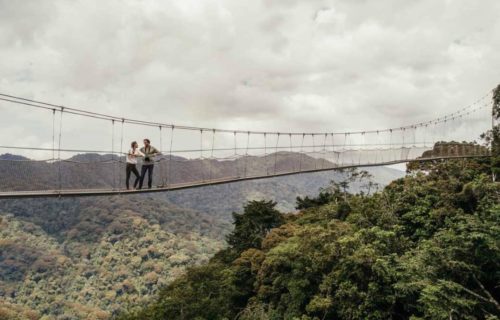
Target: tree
[324,197]
[495,143]
[258,218]
[492,137]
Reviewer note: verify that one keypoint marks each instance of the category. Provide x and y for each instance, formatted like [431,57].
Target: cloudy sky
[290,65]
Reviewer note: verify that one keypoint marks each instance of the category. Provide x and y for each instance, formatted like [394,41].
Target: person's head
[146,142]
[134,144]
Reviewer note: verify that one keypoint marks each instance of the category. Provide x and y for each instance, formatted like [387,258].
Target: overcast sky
[289,65]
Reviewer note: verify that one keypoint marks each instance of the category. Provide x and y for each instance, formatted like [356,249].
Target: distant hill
[13,157]
[223,199]
[84,171]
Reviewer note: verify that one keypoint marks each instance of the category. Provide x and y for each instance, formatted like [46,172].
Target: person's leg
[150,176]
[143,174]
[127,170]
[137,176]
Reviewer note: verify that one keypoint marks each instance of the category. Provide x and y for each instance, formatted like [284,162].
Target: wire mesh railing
[192,156]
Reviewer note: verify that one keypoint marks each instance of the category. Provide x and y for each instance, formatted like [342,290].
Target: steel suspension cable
[235,156]
[324,152]
[212,154]
[265,153]
[59,148]
[246,154]
[276,152]
[120,172]
[81,112]
[54,145]
[202,165]
[301,151]
[169,174]
[344,148]
[113,152]
[162,173]
[314,151]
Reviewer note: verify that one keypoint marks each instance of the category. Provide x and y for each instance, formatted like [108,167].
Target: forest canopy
[425,247]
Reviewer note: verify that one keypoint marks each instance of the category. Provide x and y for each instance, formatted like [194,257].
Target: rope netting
[87,158]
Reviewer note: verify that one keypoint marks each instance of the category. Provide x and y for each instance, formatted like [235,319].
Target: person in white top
[132,156]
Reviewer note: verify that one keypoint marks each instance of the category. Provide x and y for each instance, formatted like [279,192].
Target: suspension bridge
[69,164]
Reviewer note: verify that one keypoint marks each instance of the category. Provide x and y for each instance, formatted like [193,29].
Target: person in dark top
[148,164]
[132,156]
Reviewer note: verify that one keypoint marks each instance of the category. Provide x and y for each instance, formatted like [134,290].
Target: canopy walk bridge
[70,164]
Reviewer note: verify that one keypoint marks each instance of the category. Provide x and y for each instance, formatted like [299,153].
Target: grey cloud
[275,65]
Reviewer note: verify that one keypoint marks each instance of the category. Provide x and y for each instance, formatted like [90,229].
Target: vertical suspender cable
[113,162]
[235,157]
[363,141]
[169,173]
[246,154]
[413,137]
[291,152]
[390,145]
[54,144]
[202,166]
[265,153]
[276,152]
[53,134]
[324,152]
[334,162]
[301,151]
[160,162]
[212,154]
[403,147]
[425,136]
[120,155]
[59,148]
[343,149]
[314,150]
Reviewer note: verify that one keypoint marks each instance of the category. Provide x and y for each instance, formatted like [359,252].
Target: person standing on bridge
[132,155]
[148,164]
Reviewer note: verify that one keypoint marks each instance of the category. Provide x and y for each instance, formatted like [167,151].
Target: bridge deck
[197,184]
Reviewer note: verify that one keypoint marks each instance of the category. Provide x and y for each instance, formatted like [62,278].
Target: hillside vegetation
[90,248]
[88,258]
[426,247]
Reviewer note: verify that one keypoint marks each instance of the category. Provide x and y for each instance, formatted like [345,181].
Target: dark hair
[132,144]
[147,140]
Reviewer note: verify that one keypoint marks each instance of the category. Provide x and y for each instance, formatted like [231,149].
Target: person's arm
[156,151]
[138,153]
[143,152]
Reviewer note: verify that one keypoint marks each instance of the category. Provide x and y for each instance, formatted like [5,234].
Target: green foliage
[425,247]
[495,134]
[258,218]
[324,197]
[87,258]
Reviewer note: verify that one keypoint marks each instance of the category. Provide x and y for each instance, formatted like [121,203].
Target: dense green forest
[426,247]
[88,258]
